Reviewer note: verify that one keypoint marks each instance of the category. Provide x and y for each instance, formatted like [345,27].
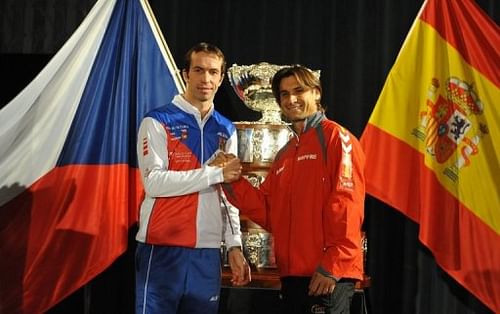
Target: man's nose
[205,76]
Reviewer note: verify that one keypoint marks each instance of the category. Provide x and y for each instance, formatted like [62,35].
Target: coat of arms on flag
[452,124]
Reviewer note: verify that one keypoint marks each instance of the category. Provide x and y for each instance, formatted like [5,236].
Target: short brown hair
[306,78]
[204,47]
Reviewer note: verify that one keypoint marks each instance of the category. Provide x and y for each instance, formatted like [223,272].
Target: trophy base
[258,246]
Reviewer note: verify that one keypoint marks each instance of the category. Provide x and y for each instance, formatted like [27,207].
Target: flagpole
[164,46]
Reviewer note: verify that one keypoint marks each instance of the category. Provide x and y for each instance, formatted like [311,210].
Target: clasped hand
[230,164]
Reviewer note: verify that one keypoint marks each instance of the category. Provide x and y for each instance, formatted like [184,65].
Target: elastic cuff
[325,273]
[234,248]
[233,240]
[215,175]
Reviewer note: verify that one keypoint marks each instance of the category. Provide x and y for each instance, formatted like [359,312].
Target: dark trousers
[295,298]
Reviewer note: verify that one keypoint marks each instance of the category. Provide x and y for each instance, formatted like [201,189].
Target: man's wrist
[236,247]
[325,273]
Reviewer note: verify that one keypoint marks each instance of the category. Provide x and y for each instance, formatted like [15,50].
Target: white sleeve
[232,236]
[152,155]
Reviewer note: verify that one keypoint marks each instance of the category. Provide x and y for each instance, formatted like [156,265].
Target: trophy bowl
[252,84]
[258,141]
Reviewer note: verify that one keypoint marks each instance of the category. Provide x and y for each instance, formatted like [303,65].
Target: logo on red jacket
[346,181]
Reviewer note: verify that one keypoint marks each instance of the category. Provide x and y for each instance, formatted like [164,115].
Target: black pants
[295,298]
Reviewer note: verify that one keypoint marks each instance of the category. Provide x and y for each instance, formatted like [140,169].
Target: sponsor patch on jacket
[345,179]
[222,141]
[180,156]
[177,132]
[184,134]
[145,148]
[307,157]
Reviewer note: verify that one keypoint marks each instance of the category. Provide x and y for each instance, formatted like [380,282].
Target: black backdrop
[353,42]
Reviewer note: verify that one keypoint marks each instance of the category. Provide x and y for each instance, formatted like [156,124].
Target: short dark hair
[204,47]
[306,78]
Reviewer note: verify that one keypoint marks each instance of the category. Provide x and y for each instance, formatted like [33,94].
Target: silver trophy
[258,141]
[258,144]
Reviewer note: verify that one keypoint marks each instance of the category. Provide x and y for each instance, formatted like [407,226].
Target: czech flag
[433,141]
[69,184]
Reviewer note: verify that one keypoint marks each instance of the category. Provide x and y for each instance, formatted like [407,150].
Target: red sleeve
[251,201]
[344,209]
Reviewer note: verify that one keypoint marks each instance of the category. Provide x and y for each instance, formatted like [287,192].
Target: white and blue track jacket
[182,204]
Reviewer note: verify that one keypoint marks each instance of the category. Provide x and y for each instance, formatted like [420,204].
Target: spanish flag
[433,141]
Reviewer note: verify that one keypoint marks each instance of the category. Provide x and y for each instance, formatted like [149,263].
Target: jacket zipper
[297,137]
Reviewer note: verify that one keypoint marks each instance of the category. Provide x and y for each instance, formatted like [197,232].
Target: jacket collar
[313,120]
[184,105]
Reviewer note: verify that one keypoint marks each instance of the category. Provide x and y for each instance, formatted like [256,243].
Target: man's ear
[185,75]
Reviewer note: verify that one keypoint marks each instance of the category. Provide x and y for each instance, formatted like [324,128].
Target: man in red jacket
[312,201]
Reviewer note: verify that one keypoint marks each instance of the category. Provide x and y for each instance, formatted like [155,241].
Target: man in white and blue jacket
[181,223]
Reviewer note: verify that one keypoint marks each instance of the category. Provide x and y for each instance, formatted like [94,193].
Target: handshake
[230,164]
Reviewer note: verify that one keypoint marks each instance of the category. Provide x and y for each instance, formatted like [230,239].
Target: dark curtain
[353,42]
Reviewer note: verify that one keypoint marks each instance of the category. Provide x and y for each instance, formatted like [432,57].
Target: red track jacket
[312,201]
